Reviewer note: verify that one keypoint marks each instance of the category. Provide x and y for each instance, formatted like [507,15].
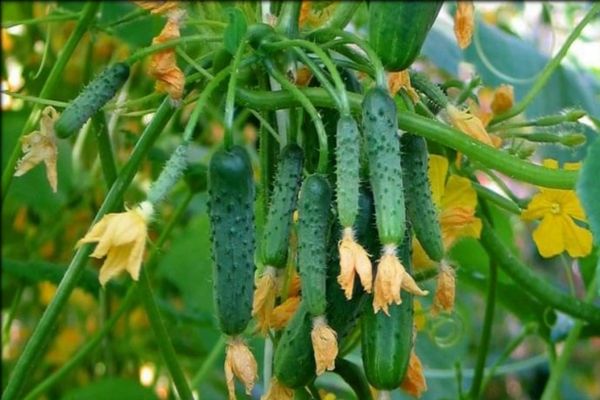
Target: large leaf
[588,188]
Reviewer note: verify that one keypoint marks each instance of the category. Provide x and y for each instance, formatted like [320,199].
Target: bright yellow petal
[572,206]
[459,193]
[578,240]
[539,206]
[548,236]
[420,259]
[464,22]
[572,166]
[438,167]
[504,98]
[550,163]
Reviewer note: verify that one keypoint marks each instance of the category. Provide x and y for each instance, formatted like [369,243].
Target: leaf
[588,189]
[112,388]
[235,31]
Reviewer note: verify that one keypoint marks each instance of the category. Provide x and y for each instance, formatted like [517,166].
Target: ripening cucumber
[231,209]
[97,93]
[397,30]
[347,154]
[313,230]
[276,235]
[421,210]
[386,341]
[380,128]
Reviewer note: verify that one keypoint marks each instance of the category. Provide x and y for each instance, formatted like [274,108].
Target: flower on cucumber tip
[121,239]
[558,211]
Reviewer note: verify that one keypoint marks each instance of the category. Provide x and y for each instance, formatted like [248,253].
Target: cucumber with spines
[276,235]
[95,95]
[231,208]
[347,153]
[422,212]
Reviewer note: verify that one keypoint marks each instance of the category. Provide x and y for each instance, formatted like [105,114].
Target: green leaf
[588,189]
[112,388]
[235,31]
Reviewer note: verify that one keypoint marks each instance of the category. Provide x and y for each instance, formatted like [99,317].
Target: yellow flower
[414,381]
[558,210]
[163,66]
[240,363]
[464,22]
[121,239]
[491,102]
[469,124]
[325,346]
[40,146]
[353,260]
[401,80]
[456,201]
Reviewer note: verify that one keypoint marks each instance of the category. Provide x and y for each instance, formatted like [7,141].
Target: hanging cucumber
[380,128]
[420,208]
[387,341]
[397,30]
[276,234]
[95,95]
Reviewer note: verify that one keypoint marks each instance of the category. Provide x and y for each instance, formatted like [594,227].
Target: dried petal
[464,22]
[158,7]
[264,298]
[443,299]
[324,341]
[303,76]
[282,314]
[239,363]
[277,391]
[353,260]
[414,382]
[401,80]
[163,66]
[504,97]
[468,124]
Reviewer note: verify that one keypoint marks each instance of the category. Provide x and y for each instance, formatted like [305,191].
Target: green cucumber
[386,341]
[97,93]
[347,154]
[422,212]
[276,235]
[397,30]
[380,128]
[231,210]
[313,230]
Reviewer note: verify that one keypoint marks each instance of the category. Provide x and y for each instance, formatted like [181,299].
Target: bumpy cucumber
[387,340]
[231,210]
[380,128]
[91,99]
[422,213]
[313,230]
[347,154]
[274,245]
[397,30]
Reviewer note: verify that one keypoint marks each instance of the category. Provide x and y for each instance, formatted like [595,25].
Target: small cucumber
[97,93]
[397,30]
[388,340]
[313,230]
[422,213]
[380,128]
[231,210]
[347,154]
[276,235]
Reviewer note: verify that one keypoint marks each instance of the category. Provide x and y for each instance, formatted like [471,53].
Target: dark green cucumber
[380,128]
[386,341]
[97,93]
[313,230]
[421,210]
[434,93]
[276,235]
[397,30]
[347,154]
[231,210]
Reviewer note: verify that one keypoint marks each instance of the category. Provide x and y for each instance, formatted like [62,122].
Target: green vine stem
[561,363]
[48,18]
[54,78]
[171,43]
[230,99]
[10,316]
[105,153]
[287,21]
[436,131]
[41,333]
[209,361]
[500,201]
[548,69]
[301,98]
[342,15]
[532,283]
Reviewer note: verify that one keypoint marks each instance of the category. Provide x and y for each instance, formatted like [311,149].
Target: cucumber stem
[230,99]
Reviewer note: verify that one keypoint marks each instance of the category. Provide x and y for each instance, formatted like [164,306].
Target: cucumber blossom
[397,30]
[275,241]
[95,95]
[231,209]
[420,208]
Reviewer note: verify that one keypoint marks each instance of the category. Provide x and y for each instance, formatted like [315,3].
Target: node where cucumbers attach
[276,234]
[231,210]
[313,229]
[380,128]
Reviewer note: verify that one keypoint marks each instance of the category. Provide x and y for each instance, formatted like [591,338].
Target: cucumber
[386,341]
[347,153]
[276,235]
[397,30]
[91,99]
[231,209]
[421,210]
[313,230]
[380,128]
